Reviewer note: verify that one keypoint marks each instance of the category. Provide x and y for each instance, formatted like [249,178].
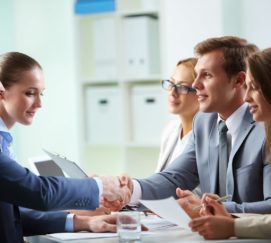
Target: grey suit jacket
[248,175]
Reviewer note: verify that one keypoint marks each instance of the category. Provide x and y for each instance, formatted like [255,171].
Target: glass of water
[129,227]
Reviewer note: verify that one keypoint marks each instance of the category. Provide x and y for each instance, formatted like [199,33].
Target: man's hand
[115,194]
[103,223]
[126,180]
[213,227]
[188,201]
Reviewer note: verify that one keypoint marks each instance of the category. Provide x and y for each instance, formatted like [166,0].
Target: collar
[235,119]
[3,126]
[5,132]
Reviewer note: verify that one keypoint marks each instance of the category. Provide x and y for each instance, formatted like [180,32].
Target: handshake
[117,191]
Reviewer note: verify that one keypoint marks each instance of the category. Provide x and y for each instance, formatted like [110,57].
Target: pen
[221,199]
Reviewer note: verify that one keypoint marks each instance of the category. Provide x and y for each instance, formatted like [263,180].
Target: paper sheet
[152,223]
[80,236]
[168,209]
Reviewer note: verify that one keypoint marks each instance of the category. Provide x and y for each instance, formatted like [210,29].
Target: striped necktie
[223,157]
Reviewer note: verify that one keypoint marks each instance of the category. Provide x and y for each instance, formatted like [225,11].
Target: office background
[54,35]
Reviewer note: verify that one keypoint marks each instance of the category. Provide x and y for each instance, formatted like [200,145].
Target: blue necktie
[223,157]
[6,140]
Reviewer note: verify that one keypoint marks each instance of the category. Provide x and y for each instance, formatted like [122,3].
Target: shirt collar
[3,126]
[235,119]
[5,133]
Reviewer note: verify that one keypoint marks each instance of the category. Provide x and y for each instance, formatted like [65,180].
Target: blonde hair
[189,63]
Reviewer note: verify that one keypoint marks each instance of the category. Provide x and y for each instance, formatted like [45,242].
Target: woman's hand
[213,227]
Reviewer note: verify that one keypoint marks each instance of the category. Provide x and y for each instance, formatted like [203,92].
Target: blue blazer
[20,187]
[248,174]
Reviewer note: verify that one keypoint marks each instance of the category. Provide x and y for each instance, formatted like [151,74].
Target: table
[172,236]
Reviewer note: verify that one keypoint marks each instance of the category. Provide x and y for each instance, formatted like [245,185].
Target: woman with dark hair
[21,88]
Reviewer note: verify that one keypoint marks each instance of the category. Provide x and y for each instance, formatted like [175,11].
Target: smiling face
[259,107]
[20,102]
[182,104]
[215,90]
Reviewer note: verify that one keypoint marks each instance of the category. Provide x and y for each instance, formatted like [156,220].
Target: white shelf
[125,154]
[142,145]
[150,78]
[99,81]
[137,12]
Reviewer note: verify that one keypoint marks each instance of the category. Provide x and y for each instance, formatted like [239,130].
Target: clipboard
[67,166]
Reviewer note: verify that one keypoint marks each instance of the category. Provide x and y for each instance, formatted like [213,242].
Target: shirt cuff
[137,193]
[69,223]
[100,186]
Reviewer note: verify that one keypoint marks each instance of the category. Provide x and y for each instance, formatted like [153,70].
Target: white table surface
[172,236]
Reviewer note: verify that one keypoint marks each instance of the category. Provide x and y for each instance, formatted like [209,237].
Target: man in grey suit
[220,89]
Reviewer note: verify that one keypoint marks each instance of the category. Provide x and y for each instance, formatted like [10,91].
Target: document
[153,223]
[82,235]
[69,167]
[170,210]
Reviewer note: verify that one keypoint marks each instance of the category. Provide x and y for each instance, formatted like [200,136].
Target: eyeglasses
[178,88]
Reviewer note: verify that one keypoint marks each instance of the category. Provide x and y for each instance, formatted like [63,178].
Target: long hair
[259,65]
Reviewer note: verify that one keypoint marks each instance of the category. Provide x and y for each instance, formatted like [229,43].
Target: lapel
[213,155]
[169,146]
[246,126]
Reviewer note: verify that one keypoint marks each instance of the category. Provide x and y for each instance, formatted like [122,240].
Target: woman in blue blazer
[21,87]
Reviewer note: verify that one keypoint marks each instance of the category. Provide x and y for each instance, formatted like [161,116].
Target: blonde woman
[182,102]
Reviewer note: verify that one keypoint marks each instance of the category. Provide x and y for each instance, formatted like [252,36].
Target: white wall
[256,22]
[45,31]
[6,26]
[185,23]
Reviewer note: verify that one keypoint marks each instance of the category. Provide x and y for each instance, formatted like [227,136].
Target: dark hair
[189,63]
[235,51]
[259,65]
[12,64]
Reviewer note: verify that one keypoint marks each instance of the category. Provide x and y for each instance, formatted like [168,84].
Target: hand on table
[213,227]
[102,223]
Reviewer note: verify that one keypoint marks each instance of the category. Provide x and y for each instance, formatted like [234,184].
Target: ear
[239,79]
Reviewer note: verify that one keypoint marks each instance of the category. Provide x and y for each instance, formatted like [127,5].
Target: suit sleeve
[21,187]
[182,173]
[37,222]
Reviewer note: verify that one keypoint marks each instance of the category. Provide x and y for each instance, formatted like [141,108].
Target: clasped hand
[117,191]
